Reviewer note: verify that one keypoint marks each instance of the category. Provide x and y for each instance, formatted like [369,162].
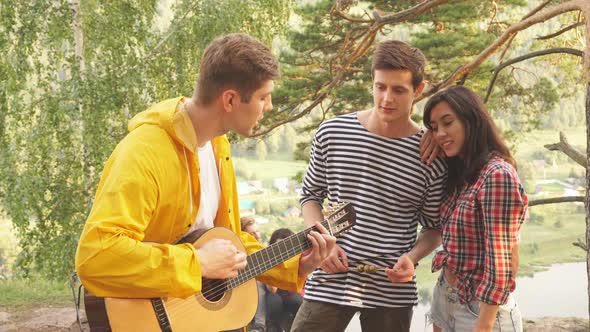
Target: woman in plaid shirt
[481,218]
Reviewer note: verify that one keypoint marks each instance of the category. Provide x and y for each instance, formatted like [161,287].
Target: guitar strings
[185,306]
[261,263]
[255,270]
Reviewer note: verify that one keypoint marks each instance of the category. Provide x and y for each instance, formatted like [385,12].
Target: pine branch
[541,16]
[352,49]
[562,31]
[382,18]
[531,13]
[580,244]
[525,57]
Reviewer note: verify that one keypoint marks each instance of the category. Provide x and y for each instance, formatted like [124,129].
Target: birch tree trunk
[77,29]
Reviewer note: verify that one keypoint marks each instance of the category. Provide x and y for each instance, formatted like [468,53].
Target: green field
[267,170]
[531,147]
[535,140]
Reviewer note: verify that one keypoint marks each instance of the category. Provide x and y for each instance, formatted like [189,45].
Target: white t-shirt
[210,188]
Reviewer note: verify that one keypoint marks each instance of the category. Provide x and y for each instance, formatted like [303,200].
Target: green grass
[18,294]
[552,187]
[270,169]
[551,242]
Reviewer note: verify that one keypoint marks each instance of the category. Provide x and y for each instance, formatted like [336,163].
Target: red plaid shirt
[480,226]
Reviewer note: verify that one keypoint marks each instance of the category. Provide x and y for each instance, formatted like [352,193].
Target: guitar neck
[273,255]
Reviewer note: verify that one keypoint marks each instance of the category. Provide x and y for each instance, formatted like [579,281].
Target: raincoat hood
[170,116]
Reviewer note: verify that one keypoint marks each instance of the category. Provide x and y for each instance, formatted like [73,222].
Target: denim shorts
[448,313]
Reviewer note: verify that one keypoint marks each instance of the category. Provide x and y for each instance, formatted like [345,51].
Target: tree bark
[569,150]
[585,8]
[554,200]
[587,201]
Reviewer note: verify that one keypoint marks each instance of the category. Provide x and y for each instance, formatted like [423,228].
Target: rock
[556,324]
[51,318]
[5,324]
[4,317]
[44,320]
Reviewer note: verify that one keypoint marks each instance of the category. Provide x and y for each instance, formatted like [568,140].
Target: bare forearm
[427,242]
[312,213]
[487,317]
[515,261]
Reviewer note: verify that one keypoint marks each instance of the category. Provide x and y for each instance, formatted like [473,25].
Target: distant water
[560,291]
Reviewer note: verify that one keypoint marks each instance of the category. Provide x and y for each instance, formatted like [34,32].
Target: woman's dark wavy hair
[482,137]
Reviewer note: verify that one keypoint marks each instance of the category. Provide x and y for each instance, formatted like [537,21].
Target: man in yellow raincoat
[173,174]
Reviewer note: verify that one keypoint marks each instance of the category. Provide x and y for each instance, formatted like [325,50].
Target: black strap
[161,315]
[96,313]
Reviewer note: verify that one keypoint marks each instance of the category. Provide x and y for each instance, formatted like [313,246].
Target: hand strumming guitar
[220,259]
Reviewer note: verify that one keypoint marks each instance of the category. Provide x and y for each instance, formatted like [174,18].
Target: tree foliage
[73,72]
[326,65]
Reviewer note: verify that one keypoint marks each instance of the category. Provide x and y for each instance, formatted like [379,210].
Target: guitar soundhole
[213,289]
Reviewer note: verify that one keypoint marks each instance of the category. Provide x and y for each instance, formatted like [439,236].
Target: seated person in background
[281,305]
[248,225]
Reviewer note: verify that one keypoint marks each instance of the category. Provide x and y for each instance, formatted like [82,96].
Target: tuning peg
[328,209]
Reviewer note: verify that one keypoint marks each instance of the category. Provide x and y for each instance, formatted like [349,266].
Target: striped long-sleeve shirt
[480,227]
[392,192]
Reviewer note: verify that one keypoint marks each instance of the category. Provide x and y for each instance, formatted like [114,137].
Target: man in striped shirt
[371,159]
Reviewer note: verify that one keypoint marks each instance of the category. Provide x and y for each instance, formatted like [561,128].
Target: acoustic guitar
[222,304]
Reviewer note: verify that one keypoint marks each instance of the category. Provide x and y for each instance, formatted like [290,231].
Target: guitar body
[233,309]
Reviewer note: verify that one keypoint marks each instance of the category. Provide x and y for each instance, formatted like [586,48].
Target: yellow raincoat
[148,197]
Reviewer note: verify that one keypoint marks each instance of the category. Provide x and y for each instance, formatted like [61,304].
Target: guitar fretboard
[280,251]
[273,255]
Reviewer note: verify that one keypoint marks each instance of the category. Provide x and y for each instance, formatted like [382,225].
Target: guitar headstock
[339,217]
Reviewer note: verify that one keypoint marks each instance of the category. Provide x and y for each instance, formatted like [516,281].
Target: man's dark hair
[280,234]
[394,54]
[235,61]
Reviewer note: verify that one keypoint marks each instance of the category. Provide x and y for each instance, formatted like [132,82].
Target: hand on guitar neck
[220,259]
[322,245]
